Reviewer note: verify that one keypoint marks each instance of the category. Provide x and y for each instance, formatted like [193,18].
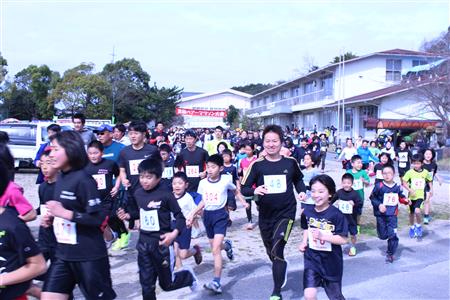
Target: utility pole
[113,116]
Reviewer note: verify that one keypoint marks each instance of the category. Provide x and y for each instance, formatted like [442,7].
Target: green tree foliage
[232,115]
[253,88]
[3,69]
[347,56]
[80,90]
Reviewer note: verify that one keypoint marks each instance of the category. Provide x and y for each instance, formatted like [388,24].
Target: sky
[205,46]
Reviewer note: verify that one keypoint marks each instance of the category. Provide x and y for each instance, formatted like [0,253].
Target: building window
[393,69]
[348,124]
[308,87]
[295,91]
[308,121]
[283,94]
[367,112]
[417,62]
[273,97]
[326,84]
[266,100]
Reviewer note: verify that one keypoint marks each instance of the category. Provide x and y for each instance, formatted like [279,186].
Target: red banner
[201,113]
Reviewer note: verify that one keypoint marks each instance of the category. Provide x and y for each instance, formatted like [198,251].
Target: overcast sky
[210,45]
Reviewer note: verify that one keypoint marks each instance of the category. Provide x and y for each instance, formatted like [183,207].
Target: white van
[25,140]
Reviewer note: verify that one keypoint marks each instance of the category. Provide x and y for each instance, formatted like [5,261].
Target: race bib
[101,181]
[418,183]
[275,184]
[323,149]
[65,231]
[149,220]
[43,209]
[403,156]
[379,175]
[358,184]
[192,171]
[317,244]
[345,207]
[302,162]
[211,198]
[134,166]
[402,165]
[390,199]
[168,173]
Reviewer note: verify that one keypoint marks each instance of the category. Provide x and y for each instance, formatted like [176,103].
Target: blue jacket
[377,198]
[366,155]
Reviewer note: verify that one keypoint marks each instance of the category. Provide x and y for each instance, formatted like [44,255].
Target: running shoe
[214,286]
[426,220]
[125,237]
[412,232]
[352,251]
[285,275]
[358,228]
[198,257]
[389,258]
[229,251]
[112,241]
[275,297]
[419,231]
[117,245]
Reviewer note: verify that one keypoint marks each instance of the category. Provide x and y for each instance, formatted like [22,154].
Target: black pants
[157,261]
[323,157]
[387,229]
[333,289]
[117,225]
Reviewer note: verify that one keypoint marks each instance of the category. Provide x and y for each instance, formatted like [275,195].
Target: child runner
[347,153]
[325,230]
[13,197]
[214,190]
[360,179]
[166,154]
[308,173]
[430,165]
[415,181]
[153,204]
[404,159]
[385,198]
[385,159]
[182,243]
[323,143]
[271,179]
[375,152]
[348,201]
[104,171]
[366,155]
[243,169]
[76,215]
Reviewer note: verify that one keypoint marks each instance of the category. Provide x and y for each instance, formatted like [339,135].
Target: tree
[80,90]
[159,104]
[232,116]
[253,88]
[129,87]
[439,45]
[347,56]
[3,69]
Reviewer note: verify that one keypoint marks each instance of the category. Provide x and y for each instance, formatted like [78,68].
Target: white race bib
[390,199]
[192,171]
[211,198]
[302,163]
[345,207]
[358,184]
[168,172]
[275,184]
[403,156]
[101,181]
[43,209]
[418,183]
[402,165]
[134,164]
[318,244]
[149,220]
[379,175]
[323,149]
[65,231]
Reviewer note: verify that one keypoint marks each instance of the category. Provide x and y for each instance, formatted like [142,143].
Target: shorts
[231,202]
[415,204]
[402,171]
[215,222]
[93,278]
[184,238]
[275,233]
[358,209]
[312,279]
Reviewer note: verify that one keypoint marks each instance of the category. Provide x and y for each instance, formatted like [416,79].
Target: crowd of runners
[96,186]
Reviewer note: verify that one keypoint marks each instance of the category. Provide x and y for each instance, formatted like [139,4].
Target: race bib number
[101,181]
[317,244]
[134,164]
[192,171]
[379,174]
[149,220]
[211,198]
[275,184]
[65,231]
[345,207]
[323,149]
[418,183]
[358,184]
[168,173]
[390,199]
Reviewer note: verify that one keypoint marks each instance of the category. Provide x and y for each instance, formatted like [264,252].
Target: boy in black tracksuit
[153,204]
[385,198]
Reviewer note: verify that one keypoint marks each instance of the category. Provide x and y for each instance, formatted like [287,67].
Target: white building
[207,110]
[345,95]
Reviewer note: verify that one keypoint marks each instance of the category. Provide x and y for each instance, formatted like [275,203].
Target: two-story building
[346,95]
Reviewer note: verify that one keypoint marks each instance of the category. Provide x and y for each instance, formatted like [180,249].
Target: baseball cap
[104,127]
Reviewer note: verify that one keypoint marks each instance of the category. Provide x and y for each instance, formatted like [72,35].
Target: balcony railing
[302,99]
